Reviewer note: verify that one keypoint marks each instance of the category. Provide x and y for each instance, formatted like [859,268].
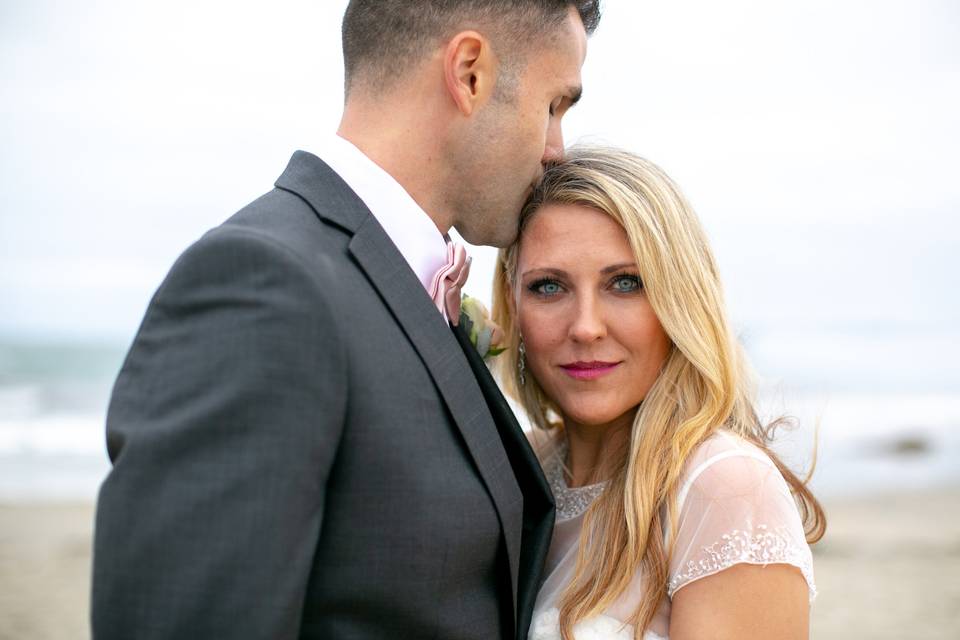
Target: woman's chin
[599,417]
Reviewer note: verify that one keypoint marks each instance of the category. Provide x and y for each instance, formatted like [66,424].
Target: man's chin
[507,237]
[487,241]
[500,238]
[505,242]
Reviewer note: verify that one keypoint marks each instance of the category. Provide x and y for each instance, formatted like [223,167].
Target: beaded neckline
[571,502]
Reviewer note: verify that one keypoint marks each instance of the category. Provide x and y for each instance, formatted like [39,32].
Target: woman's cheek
[537,330]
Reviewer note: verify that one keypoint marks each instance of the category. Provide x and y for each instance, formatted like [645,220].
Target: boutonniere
[485,335]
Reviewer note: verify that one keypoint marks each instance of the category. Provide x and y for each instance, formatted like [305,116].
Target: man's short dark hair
[382,37]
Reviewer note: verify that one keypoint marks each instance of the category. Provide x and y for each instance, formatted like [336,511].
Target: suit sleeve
[222,429]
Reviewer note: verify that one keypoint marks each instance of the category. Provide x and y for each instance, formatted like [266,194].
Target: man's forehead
[566,52]
[552,67]
[575,36]
[563,77]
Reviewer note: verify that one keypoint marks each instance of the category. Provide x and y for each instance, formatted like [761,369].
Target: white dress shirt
[412,231]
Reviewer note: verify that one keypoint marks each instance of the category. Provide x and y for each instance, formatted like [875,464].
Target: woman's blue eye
[549,288]
[545,287]
[626,284]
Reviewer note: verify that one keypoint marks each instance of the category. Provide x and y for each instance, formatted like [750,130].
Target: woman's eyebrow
[619,267]
[556,272]
[562,274]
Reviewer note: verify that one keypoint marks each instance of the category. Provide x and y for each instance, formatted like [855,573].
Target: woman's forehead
[565,232]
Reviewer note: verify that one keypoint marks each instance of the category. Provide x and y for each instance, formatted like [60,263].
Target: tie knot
[445,290]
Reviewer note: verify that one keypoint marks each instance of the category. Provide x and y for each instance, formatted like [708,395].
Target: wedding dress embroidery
[570,502]
[761,546]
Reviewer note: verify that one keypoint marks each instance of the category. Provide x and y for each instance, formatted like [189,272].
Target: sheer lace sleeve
[735,508]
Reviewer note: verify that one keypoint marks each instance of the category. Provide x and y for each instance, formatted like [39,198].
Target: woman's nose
[588,324]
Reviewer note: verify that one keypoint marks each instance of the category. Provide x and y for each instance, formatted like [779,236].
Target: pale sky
[818,141]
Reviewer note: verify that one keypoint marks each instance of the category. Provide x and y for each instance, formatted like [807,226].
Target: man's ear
[469,70]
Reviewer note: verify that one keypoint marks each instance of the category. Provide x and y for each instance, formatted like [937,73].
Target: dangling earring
[522,363]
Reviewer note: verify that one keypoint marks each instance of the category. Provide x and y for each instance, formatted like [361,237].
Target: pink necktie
[449,280]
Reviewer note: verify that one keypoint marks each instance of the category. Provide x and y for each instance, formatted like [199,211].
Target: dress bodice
[734,507]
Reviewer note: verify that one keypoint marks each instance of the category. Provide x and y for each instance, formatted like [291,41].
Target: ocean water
[869,442]
[53,400]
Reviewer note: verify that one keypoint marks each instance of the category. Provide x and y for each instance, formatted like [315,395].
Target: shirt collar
[412,231]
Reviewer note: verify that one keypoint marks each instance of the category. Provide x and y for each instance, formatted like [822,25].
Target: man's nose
[553,149]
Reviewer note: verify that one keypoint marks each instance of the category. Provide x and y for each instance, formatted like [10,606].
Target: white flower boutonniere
[485,335]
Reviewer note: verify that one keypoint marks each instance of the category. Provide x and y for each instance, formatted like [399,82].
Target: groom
[301,445]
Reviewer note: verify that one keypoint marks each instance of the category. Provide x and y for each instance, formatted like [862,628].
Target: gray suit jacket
[302,448]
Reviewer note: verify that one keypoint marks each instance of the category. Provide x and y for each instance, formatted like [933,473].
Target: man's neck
[397,146]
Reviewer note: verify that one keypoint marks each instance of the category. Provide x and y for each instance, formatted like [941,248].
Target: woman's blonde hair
[703,385]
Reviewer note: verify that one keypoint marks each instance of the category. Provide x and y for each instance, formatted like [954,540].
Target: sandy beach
[889,568]
[45,571]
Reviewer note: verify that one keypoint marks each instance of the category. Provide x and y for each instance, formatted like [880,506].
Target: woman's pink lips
[588,370]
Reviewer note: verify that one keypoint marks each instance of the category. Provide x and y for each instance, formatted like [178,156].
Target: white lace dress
[735,507]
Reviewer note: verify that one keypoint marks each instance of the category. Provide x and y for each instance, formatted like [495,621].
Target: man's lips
[588,370]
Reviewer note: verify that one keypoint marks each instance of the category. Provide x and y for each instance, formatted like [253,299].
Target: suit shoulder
[229,264]
[288,220]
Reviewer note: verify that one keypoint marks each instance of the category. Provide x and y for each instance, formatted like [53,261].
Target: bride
[674,517]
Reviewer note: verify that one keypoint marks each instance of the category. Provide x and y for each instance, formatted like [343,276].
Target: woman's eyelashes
[620,283]
[545,287]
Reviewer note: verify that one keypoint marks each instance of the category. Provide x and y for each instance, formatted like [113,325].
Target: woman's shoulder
[724,443]
[726,462]
[734,506]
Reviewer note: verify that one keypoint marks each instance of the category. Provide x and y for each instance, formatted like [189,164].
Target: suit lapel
[538,504]
[431,337]
[429,333]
